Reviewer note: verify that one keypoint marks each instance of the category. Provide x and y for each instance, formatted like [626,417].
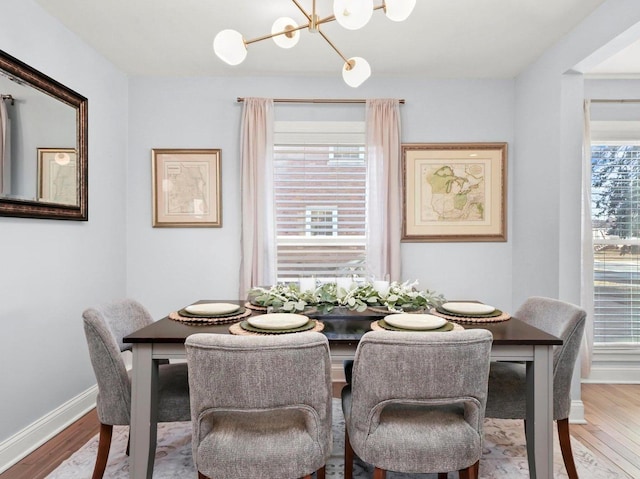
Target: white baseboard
[615,365]
[33,436]
[617,374]
[337,372]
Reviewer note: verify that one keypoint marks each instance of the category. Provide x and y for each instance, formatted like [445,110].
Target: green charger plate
[186,314]
[305,327]
[447,327]
[493,314]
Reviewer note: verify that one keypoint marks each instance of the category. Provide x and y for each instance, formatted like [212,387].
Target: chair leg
[348,457]
[104,444]
[468,473]
[476,470]
[308,476]
[320,473]
[443,475]
[201,476]
[128,442]
[565,447]
[379,473]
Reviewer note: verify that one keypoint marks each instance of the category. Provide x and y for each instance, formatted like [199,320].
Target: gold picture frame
[58,176]
[186,187]
[454,192]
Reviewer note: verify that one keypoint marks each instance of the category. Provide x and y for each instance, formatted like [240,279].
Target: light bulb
[286,40]
[353,14]
[356,71]
[399,10]
[62,158]
[229,46]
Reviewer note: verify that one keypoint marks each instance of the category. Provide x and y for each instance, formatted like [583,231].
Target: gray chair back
[104,328]
[432,369]
[566,321]
[230,376]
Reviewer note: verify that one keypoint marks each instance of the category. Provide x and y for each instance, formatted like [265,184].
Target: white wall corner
[33,436]
[576,416]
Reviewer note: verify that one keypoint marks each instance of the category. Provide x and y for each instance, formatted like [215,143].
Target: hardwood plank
[613,422]
[50,455]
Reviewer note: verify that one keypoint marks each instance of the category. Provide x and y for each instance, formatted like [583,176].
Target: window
[320,176]
[322,221]
[615,198]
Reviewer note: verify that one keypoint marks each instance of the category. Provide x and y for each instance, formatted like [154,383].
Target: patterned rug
[504,455]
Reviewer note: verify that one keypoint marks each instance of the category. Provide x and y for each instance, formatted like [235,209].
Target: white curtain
[4,154]
[587,244]
[384,191]
[258,242]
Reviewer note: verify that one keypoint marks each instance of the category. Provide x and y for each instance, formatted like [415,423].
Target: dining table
[513,340]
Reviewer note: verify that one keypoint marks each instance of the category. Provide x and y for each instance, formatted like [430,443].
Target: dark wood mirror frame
[38,209]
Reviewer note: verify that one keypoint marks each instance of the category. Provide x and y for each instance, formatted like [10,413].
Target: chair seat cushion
[506,397]
[274,444]
[173,393]
[404,440]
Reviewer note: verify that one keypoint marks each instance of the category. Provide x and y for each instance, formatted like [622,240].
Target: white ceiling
[441,39]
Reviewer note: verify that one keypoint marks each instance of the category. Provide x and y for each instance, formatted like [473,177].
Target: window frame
[613,133]
[352,132]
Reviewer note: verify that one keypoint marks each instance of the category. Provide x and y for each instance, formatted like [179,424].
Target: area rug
[504,455]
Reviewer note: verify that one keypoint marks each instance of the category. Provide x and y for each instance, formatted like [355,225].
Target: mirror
[43,145]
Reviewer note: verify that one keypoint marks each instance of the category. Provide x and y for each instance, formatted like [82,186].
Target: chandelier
[231,47]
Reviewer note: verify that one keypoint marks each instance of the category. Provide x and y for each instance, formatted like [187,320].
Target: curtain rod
[8,97]
[318,100]
[602,100]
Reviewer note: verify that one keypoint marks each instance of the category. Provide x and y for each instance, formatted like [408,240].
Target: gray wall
[547,176]
[604,89]
[171,267]
[51,270]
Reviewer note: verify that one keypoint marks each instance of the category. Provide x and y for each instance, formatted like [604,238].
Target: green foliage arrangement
[400,297]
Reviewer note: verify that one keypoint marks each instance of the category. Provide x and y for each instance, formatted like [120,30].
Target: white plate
[212,308]
[468,308]
[278,321]
[418,322]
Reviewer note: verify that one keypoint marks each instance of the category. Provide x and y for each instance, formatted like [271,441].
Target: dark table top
[340,328]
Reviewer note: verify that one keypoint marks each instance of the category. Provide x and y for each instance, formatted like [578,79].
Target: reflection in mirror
[43,145]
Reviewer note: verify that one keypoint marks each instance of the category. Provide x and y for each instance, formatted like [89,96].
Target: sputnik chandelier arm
[231,47]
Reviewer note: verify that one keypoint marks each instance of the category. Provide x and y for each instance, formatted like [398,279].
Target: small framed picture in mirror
[57,175]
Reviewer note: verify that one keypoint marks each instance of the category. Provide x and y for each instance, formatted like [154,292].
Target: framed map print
[454,192]
[186,188]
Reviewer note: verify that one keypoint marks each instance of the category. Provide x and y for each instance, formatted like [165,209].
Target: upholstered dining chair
[269,414]
[507,380]
[104,328]
[416,402]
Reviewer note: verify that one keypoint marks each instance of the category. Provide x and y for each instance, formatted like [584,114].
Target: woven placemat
[255,307]
[237,329]
[204,320]
[376,327]
[460,319]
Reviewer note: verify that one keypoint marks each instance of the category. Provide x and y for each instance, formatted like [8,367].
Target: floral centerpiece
[399,297]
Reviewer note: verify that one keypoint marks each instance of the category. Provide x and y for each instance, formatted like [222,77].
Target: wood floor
[612,434]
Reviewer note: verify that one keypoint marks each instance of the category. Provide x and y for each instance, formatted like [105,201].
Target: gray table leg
[143,428]
[539,430]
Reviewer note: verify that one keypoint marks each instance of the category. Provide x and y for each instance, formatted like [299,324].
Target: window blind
[616,237]
[320,189]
